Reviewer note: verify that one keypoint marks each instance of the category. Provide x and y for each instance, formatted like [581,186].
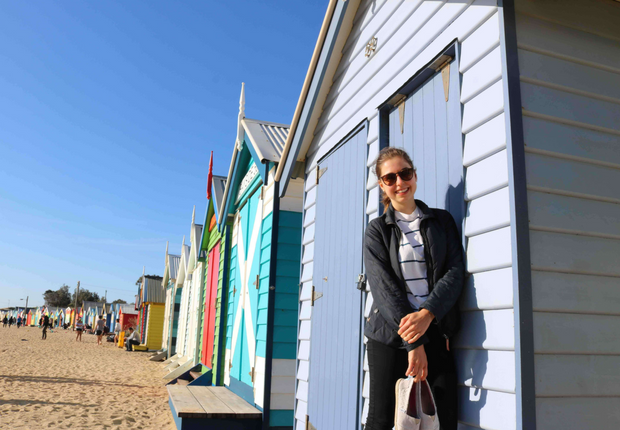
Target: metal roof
[185,250]
[268,138]
[173,264]
[217,187]
[89,305]
[152,291]
[128,309]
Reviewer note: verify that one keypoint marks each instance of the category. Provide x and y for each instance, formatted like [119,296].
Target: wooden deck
[210,402]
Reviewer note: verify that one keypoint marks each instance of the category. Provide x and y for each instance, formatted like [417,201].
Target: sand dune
[59,384]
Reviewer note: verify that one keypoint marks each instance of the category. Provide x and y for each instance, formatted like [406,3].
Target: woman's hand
[418,365]
[414,325]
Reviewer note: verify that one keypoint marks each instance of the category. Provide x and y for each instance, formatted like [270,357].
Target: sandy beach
[59,384]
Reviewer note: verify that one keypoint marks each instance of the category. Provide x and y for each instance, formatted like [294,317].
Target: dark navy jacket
[445,274]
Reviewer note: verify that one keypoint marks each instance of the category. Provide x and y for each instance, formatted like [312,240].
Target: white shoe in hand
[407,416]
[427,407]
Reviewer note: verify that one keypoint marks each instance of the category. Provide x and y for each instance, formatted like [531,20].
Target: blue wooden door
[431,134]
[335,359]
[245,302]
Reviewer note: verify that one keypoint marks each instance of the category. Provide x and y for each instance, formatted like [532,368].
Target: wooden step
[195,375]
[183,381]
[210,402]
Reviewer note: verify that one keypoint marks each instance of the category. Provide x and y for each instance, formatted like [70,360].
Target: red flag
[210,177]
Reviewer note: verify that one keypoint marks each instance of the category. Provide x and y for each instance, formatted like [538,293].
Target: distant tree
[60,298]
[122,302]
[85,295]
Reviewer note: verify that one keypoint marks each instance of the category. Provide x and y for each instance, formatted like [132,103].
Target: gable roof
[151,290]
[173,265]
[128,309]
[268,138]
[266,144]
[334,32]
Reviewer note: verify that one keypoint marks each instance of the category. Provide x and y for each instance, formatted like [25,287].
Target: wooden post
[77,293]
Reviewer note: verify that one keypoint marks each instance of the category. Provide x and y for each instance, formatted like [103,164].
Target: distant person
[40,321]
[99,329]
[117,332]
[132,339]
[11,321]
[19,322]
[46,323]
[79,328]
[5,321]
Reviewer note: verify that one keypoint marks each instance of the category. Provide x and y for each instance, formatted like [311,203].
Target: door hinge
[445,76]
[315,295]
[234,290]
[257,282]
[251,373]
[319,173]
[361,282]
[400,103]
[309,426]
[262,188]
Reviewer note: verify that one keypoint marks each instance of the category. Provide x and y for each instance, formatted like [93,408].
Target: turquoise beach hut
[263,272]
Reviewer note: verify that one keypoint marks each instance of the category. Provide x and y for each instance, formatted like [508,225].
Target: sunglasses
[390,179]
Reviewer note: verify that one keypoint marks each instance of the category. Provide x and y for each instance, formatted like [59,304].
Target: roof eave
[313,85]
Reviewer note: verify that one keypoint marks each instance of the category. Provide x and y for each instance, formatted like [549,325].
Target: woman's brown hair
[387,154]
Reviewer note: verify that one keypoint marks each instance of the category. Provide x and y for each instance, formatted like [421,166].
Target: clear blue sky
[108,113]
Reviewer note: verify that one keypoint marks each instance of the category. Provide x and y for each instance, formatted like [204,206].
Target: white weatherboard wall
[410,34]
[569,61]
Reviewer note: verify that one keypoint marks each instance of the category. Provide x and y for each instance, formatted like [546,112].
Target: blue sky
[108,113]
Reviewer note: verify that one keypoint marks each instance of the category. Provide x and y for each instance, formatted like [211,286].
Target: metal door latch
[361,282]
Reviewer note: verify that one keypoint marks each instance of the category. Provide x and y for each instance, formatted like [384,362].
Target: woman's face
[401,193]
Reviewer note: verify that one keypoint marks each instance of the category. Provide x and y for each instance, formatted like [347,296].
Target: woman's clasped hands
[414,325]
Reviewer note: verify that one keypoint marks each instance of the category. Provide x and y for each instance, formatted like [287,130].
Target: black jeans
[387,365]
[128,343]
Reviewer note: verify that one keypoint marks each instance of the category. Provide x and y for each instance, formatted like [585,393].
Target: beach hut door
[246,252]
[334,379]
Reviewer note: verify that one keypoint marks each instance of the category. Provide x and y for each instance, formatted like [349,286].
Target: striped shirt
[411,257]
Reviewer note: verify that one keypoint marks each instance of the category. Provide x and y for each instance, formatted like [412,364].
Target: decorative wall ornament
[247,180]
[371,47]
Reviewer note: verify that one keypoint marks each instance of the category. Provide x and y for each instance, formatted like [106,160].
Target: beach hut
[169,279]
[191,284]
[177,295]
[510,112]
[212,317]
[263,271]
[151,298]
[128,316]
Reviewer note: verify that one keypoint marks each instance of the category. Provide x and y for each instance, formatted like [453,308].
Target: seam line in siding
[570,90]
[576,312]
[498,390]
[479,348]
[575,60]
[597,354]
[603,396]
[486,230]
[563,156]
[574,272]
[573,194]
[499,308]
[470,197]
[575,232]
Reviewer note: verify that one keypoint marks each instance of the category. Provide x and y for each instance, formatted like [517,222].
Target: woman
[414,263]
[99,329]
[79,328]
